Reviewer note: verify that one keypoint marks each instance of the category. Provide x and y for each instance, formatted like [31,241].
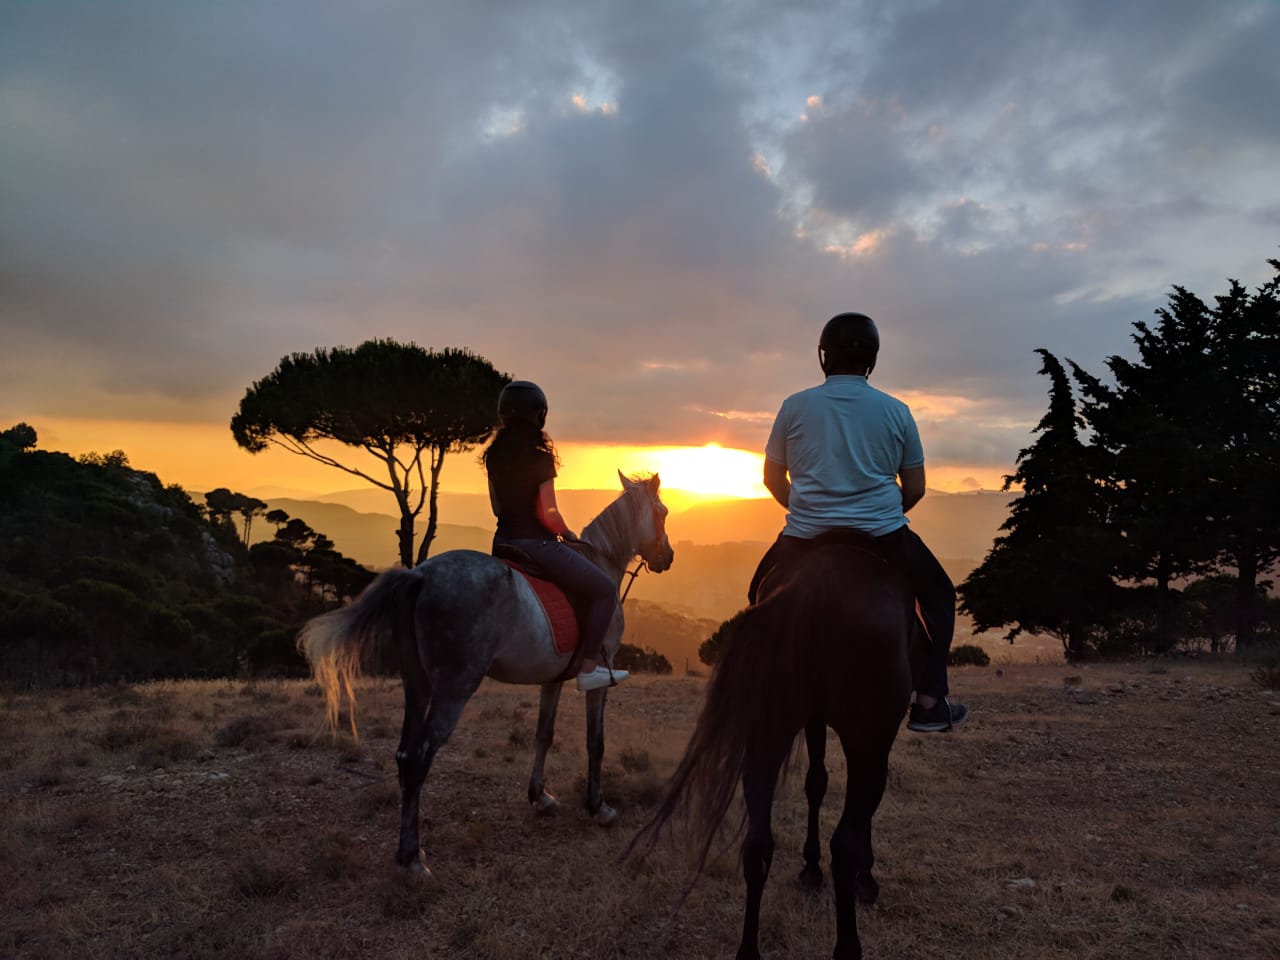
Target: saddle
[786,551]
[562,616]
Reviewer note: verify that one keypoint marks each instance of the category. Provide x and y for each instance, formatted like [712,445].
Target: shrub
[714,646]
[638,660]
[969,655]
[1267,675]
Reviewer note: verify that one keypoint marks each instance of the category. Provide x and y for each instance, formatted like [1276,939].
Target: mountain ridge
[717,544]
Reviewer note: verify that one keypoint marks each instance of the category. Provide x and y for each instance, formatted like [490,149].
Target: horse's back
[475,603]
[860,615]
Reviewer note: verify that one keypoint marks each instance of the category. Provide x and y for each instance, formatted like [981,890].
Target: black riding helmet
[849,339]
[523,400]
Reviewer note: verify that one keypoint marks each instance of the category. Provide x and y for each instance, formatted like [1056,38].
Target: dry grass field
[1121,811]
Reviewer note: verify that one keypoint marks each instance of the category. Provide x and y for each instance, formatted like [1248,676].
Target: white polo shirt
[843,443]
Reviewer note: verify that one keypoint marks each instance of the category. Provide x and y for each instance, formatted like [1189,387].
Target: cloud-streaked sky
[649,208]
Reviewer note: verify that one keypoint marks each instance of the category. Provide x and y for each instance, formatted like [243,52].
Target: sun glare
[708,471]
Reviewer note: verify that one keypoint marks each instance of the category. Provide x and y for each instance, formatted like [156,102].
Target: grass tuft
[1266,675]
[254,878]
[253,732]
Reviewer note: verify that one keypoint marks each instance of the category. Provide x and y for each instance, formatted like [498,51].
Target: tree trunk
[1164,638]
[433,512]
[1077,648]
[405,535]
[1246,591]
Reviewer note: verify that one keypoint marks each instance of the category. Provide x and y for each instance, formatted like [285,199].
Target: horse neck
[612,536]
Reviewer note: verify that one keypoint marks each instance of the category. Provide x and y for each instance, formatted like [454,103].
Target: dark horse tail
[779,663]
[339,643]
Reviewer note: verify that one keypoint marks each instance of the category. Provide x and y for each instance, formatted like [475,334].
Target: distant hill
[459,509]
[953,524]
[370,538]
[717,544]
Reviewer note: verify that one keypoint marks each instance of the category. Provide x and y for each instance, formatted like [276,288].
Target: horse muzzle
[662,557]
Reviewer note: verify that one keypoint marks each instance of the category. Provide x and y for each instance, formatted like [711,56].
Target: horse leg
[417,698]
[759,780]
[604,814]
[815,788]
[851,856]
[419,746]
[543,802]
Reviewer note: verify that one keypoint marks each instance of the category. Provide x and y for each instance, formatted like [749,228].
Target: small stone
[1022,883]
[1242,906]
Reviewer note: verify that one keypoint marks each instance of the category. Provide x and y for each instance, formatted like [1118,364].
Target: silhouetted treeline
[107,574]
[1149,517]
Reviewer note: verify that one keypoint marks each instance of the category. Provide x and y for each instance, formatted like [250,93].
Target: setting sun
[707,472]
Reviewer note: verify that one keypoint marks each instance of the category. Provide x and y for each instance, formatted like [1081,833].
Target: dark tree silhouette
[1194,458]
[222,503]
[404,406]
[21,436]
[1246,349]
[1050,572]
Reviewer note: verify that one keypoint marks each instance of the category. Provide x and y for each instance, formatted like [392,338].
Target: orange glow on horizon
[203,456]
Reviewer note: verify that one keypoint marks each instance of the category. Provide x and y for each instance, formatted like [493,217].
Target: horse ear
[654,482]
[626,484]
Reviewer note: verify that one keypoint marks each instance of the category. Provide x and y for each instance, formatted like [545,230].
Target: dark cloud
[621,200]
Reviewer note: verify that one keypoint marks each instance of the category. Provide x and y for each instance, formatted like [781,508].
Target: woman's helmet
[522,400]
[848,339]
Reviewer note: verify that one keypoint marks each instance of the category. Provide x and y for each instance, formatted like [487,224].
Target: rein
[632,574]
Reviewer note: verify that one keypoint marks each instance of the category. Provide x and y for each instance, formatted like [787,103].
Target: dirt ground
[1119,811]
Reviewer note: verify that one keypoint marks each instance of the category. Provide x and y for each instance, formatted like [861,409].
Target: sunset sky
[649,208]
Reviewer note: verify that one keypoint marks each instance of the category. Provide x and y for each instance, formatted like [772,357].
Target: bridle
[655,546]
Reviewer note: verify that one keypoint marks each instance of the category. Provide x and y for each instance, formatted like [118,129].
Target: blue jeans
[587,585]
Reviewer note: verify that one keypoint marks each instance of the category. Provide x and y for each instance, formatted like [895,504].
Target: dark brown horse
[827,647]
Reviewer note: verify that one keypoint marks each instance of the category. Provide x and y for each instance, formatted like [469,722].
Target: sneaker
[601,676]
[943,715]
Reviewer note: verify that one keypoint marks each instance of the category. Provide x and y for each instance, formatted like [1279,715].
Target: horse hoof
[606,816]
[810,878]
[865,888]
[417,867]
[546,805]
[422,872]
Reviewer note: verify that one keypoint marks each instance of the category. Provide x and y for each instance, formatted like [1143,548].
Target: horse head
[651,521]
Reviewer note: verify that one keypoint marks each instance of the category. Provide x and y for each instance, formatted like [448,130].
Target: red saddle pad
[556,605]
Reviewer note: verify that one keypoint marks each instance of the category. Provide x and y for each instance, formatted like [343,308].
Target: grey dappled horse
[462,615]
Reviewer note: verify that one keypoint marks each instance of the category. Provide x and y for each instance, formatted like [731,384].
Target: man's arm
[911,479]
[776,482]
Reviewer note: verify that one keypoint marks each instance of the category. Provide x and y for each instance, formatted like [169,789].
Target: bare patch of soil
[1109,812]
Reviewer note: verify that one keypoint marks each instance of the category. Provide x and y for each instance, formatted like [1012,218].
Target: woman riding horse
[521,463]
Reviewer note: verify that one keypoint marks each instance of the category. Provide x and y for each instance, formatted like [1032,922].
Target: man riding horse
[845,456]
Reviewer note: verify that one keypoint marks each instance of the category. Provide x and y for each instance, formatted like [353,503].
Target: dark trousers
[587,585]
[933,590]
[936,595]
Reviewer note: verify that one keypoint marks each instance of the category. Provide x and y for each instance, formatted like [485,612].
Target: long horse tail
[338,644]
[759,697]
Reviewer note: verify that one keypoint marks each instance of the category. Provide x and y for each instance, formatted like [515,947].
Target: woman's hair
[518,436]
